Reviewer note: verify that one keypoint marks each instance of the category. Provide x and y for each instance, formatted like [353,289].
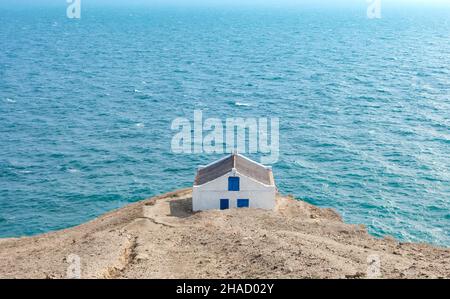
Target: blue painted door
[243,203]
[224,204]
[233,184]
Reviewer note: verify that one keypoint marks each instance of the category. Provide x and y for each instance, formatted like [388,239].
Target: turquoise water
[86,107]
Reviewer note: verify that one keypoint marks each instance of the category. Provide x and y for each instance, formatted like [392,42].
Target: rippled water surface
[364,106]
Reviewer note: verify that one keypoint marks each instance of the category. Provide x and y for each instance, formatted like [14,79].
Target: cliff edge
[162,238]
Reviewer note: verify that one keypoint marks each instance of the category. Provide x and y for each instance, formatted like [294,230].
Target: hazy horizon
[235,3]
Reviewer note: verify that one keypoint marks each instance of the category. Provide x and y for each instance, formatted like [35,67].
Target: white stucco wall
[207,196]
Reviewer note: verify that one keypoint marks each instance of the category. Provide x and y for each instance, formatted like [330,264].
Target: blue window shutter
[233,184]
[243,203]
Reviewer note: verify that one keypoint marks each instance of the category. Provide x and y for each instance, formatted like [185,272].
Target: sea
[87,107]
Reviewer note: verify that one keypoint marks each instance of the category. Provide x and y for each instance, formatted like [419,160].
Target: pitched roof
[242,164]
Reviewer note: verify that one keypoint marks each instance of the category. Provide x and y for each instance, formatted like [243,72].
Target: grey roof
[243,165]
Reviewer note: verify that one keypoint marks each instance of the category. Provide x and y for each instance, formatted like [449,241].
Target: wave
[241,104]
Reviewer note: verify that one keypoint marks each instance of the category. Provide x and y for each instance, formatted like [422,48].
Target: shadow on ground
[181,208]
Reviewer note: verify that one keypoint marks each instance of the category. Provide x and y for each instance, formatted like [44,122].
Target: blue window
[233,184]
[243,203]
[224,204]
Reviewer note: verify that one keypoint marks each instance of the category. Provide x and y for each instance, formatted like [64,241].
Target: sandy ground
[162,238]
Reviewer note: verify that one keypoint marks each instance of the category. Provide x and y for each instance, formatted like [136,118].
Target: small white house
[234,182]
